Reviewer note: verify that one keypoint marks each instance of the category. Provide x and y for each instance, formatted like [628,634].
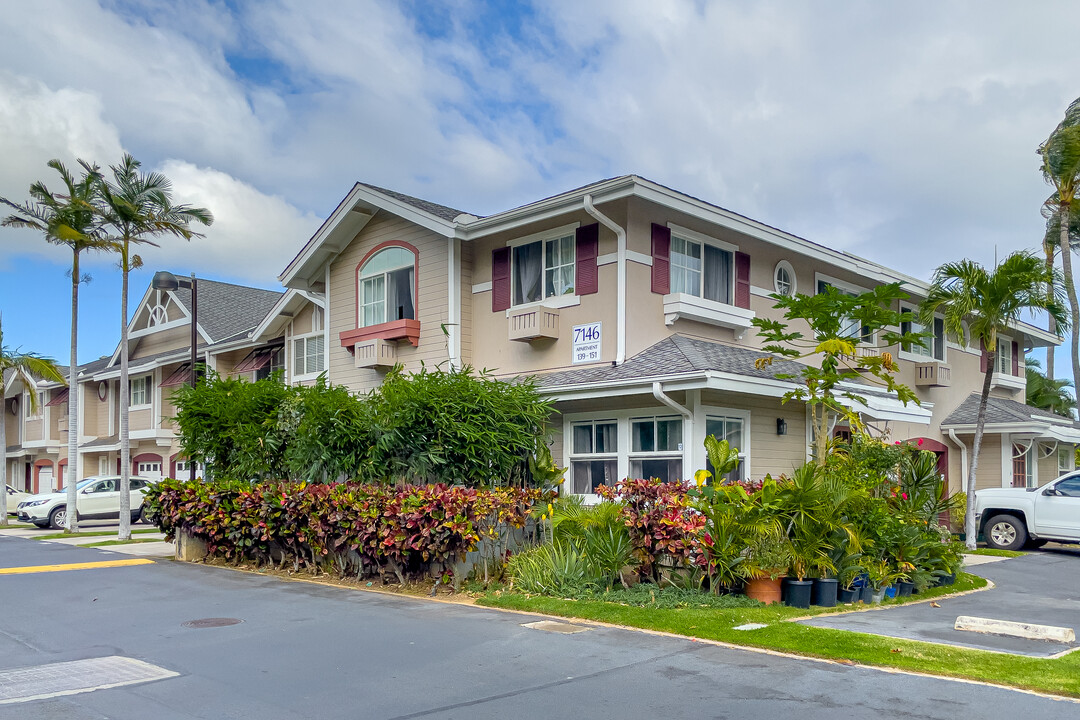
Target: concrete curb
[1027,631]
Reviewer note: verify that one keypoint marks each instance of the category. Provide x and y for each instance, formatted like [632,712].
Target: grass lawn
[106,533]
[121,542]
[1060,676]
[995,553]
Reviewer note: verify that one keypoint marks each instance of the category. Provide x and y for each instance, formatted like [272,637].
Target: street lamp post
[165,280]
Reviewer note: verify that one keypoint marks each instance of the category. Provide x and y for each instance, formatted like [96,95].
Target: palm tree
[25,367]
[1061,169]
[67,220]
[135,208]
[1051,245]
[990,302]
[1046,393]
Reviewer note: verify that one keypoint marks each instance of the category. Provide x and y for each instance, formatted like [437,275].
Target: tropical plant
[922,491]
[733,520]
[723,457]
[68,220]
[135,208]
[1051,245]
[1060,155]
[767,556]
[24,368]
[840,324]
[989,302]
[1046,393]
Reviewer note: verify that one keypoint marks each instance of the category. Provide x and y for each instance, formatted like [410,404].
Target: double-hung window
[932,347]
[730,429]
[543,269]
[594,455]
[309,356]
[33,412]
[386,287]
[849,327]
[1066,458]
[702,270]
[1004,356]
[656,448]
[139,392]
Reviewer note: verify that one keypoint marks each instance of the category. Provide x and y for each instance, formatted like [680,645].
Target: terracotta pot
[766,590]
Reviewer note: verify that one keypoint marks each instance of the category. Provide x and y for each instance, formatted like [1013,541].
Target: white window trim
[1068,451]
[702,414]
[571,456]
[360,278]
[694,236]
[701,239]
[543,235]
[785,265]
[149,379]
[555,301]
[290,360]
[916,357]
[847,287]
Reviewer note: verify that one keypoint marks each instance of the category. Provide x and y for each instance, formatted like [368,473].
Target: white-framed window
[543,267]
[932,347]
[149,469]
[139,391]
[386,287]
[277,362]
[103,465]
[182,471]
[849,327]
[732,429]
[702,267]
[1004,356]
[784,281]
[656,447]
[1066,457]
[309,355]
[594,455]
[32,412]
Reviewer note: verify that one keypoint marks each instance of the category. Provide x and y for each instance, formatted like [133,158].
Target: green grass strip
[121,542]
[995,553]
[105,533]
[1059,676]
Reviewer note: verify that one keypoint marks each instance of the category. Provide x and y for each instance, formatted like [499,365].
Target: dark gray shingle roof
[226,309]
[999,410]
[676,355]
[441,211]
[101,442]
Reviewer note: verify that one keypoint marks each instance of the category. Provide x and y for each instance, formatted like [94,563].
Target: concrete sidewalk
[1041,587]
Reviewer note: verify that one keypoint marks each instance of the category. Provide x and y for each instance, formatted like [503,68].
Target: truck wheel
[1005,532]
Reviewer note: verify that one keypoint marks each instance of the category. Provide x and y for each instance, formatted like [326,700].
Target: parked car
[14,497]
[1011,518]
[96,498]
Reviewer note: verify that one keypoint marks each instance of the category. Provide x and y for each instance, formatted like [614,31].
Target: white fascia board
[999,428]
[133,370]
[279,307]
[615,388]
[303,262]
[1066,435]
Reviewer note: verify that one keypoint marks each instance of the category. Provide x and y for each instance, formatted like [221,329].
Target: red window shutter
[1016,359]
[500,279]
[742,280]
[587,242]
[984,359]
[661,259]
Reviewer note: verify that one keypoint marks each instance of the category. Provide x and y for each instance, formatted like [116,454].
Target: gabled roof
[1003,411]
[442,211]
[226,309]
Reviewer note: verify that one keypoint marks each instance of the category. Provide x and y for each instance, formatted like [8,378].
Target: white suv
[96,498]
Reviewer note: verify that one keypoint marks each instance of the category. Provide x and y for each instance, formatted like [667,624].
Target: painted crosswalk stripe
[74,566]
[40,682]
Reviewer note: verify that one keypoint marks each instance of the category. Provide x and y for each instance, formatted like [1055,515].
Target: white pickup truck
[1011,518]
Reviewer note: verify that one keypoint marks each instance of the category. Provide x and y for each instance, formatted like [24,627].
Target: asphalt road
[307,651]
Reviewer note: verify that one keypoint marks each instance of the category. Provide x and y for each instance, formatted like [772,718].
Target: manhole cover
[212,622]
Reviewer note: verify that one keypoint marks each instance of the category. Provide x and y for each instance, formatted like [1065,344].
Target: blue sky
[905,133]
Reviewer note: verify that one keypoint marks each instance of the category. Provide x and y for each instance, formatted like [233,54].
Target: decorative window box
[534,322]
[933,374]
[396,330]
[1013,383]
[375,353]
[680,306]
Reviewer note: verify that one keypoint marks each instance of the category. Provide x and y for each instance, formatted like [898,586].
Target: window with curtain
[702,270]
[594,460]
[386,286]
[656,448]
[543,269]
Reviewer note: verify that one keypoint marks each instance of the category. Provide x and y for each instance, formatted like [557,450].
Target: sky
[903,132]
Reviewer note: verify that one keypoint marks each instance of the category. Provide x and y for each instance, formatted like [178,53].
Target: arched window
[386,287]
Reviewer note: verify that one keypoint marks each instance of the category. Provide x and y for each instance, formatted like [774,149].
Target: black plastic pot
[904,588]
[796,593]
[848,595]
[867,594]
[824,593]
[946,579]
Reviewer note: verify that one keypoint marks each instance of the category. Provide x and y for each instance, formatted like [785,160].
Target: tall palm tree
[1046,393]
[990,302]
[25,367]
[1051,246]
[135,208]
[67,220]
[1061,169]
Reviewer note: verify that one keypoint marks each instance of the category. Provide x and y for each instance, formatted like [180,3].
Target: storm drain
[78,676]
[212,623]
[555,627]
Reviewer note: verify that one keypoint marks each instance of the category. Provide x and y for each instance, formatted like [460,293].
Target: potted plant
[806,552]
[767,560]
[880,576]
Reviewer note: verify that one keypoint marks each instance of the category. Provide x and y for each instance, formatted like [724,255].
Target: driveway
[1041,587]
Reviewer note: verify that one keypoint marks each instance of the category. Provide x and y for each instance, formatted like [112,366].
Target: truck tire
[1005,532]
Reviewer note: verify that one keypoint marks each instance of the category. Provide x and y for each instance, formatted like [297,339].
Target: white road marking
[40,682]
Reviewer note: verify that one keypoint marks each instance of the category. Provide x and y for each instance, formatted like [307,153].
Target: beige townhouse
[632,304]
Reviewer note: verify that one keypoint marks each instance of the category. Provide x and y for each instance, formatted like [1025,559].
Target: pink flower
[919,443]
[897,442]
[903,495]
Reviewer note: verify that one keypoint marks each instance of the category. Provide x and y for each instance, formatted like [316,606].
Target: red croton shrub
[369,528]
[660,520]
